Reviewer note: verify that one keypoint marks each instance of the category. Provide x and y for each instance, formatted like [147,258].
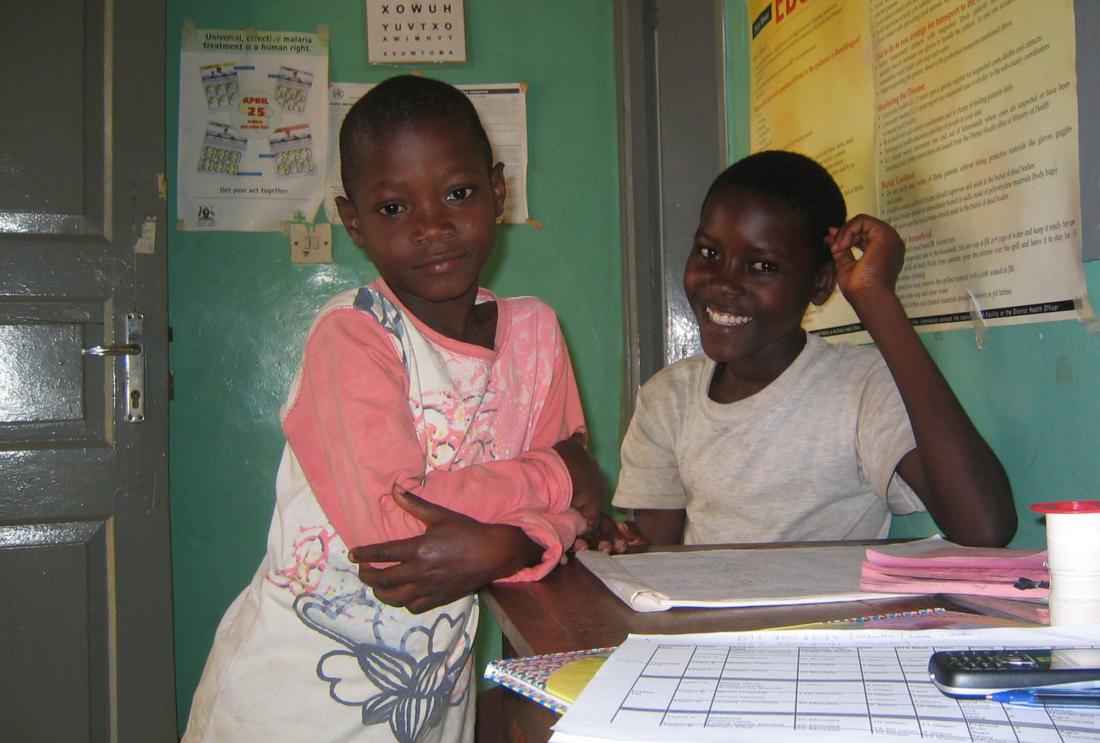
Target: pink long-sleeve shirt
[468,428]
[306,652]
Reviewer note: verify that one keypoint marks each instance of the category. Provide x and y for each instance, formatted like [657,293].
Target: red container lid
[1067,506]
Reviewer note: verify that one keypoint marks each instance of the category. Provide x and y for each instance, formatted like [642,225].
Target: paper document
[937,555]
[1006,573]
[818,685]
[656,581]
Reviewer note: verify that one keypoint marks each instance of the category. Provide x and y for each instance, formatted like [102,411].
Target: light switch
[299,243]
[311,243]
[321,243]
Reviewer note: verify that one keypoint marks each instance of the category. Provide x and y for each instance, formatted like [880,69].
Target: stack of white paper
[656,581]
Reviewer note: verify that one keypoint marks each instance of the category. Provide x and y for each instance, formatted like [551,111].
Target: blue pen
[1037,698]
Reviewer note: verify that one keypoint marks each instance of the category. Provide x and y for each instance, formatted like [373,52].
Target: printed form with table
[865,678]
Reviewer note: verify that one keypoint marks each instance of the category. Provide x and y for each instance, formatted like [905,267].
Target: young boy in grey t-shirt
[776,436]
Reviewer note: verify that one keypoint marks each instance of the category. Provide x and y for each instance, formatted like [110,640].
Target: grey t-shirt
[810,457]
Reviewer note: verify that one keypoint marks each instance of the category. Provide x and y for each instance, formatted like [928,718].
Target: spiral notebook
[530,676]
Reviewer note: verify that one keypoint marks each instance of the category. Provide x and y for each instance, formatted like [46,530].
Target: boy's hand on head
[952,469]
[611,536]
[588,484]
[877,268]
[455,557]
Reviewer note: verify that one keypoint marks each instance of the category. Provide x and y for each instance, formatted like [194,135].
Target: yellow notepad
[569,681]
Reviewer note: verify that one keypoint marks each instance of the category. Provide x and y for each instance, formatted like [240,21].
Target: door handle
[133,362]
[127,349]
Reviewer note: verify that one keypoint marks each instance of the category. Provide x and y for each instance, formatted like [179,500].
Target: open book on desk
[657,581]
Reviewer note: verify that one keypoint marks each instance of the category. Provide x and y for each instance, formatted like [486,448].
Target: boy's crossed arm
[455,556]
[458,555]
[953,471]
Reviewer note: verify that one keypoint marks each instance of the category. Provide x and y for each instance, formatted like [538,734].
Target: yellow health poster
[955,121]
[813,88]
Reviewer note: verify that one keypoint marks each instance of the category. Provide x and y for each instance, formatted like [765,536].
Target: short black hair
[403,100]
[795,181]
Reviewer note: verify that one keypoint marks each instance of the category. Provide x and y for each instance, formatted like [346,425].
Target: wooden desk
[571,610]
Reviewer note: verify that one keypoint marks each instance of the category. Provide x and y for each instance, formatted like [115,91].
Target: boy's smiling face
[424,205]
[749,279]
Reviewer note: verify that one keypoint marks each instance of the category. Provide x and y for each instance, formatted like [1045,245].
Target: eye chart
[252,128]
[402,32]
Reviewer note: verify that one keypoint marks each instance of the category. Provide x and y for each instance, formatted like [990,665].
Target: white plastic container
[1073,559]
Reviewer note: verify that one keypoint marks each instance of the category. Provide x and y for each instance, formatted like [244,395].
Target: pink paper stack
[983,571]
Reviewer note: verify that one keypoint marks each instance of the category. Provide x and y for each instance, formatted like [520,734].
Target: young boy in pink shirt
[433,428]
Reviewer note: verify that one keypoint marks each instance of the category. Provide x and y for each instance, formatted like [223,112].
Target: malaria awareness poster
[253,128]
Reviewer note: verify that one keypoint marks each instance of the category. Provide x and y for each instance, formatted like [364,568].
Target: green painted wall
[1032,390]
[240,309]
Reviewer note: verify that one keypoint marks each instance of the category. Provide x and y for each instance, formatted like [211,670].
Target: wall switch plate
[322,243]
[311,243]
[299,243]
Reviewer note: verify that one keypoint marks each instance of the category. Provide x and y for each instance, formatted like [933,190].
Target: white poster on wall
[976,114]
[401,32]
[502,108]
[252,128]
